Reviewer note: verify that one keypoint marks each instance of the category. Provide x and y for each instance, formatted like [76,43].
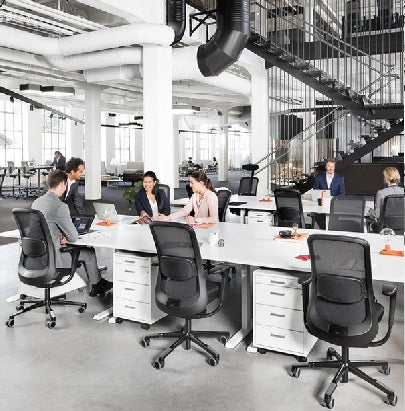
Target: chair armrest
[74,251]
[305,279]
[389,289]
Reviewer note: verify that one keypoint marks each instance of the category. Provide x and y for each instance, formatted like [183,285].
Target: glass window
[53,136]
[125,140]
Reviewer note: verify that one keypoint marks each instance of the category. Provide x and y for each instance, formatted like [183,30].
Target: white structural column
[309,20]
[92,141]
[110,119]
[176,142]
[138,145]
[34,134]
[157,113]
[309,135]
[223,147]
[76,134]
[260,126]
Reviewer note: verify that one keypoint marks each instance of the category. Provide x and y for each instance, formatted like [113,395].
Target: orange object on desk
[387,251]
[107,223]
[294,238]
[266,200]
[202,225]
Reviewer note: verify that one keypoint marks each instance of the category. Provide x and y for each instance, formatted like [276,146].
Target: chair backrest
[289,207]
[166,189]
[392,214]
[189,190]
[37,260]
[224,196]
[248,186]
[181,286]
[347,213]
[341,307]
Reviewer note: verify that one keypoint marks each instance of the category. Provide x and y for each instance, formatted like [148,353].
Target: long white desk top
[252,245]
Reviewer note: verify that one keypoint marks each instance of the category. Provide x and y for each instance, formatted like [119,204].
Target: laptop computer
[104,209]
[83,223]
[318,194]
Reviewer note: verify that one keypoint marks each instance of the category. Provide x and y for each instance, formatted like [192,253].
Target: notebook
[318,193]
[104,209]
[83,223]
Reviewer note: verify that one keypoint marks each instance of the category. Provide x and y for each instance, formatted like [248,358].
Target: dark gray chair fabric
[392,214]
[37,264]
[224,196]
[339,307]
[182,288]
[347,213]
[289,208]
[248,186]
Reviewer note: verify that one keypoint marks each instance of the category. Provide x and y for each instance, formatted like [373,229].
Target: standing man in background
[59,162]
[74,169]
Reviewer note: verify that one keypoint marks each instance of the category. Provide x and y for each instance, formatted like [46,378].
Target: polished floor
[87,365]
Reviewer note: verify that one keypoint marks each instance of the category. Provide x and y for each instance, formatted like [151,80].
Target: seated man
[62,230]
[330,180]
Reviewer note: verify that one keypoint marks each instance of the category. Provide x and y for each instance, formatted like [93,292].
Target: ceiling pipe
[229,40]
[176,18]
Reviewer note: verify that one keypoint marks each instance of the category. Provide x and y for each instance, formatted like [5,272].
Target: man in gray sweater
[62,230]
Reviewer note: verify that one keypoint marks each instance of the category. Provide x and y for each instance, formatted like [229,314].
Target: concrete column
[138,145]
[76,134]
[34,133]
[260,126]
[176,141]
[223,148]
[157,112]
[309,147]
[110,119]
[196,145]
[92,142]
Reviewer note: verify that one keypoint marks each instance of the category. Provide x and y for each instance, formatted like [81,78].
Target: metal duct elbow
[176,18]
[229,40]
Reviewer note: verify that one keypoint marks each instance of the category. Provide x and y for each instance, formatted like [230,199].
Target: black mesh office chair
[392,214]
[27,174]
[339,307]
[248,186]
[289,208]
[182,289]
[37,264]
[347,213]
[189,190]
[166,190]
[224,196]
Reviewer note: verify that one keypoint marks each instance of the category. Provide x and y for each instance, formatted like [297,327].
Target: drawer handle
[277,315]
[278,294]
[129,306]
[129,289]
[277,335]
[277,282]
[129,271]
[129,261]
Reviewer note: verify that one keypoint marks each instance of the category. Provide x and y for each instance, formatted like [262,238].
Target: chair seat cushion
[212,290]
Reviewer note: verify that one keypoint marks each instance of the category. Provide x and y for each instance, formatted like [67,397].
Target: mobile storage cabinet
[260,217]
[135,277]
[278,322]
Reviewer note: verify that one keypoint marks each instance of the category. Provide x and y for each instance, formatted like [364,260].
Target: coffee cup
[213,238]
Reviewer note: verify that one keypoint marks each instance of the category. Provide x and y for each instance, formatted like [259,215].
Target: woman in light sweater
[204,202]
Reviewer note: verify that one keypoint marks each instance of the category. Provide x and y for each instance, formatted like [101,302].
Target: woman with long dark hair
[204,202]
[150,200]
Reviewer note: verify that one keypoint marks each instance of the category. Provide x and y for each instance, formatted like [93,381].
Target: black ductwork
[229,40]
[176,18]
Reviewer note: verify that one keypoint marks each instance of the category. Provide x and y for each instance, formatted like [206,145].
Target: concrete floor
[87,365]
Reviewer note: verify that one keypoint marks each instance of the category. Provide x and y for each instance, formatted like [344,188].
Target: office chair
[189,190]
[289,208]
[347,213]
[166,190]
[13,173]
[37,264]
[248,186]
[2,177]
[392,215]
[182,289]
[339,307]
[224,196]
[27,174]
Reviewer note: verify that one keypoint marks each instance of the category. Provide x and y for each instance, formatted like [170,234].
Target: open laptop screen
[82,223]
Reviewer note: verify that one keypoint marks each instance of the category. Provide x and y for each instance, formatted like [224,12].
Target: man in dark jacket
[330,180]
[74,169]
[59,161]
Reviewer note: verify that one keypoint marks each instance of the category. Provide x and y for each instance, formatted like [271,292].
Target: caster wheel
[158,364]
[10,322]
[301,359]
[261,350]
[391,400]
[329,402]
[386,370]
[51,324]
[145,343]
[223,339]
[81,309]
[19,307]
[213,361]
[119,320]
[295,372]
[145,326]
[23,296]
[329,354]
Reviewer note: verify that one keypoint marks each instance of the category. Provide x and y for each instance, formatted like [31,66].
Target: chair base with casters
[187,335]
[345,365]
[47,302]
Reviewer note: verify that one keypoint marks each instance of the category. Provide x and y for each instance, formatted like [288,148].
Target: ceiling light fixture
[58,90]
[30,88]
[131,124]
[179,109]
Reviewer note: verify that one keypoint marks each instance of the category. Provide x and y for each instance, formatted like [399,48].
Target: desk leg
[246,309]
[242,215]
[104,314]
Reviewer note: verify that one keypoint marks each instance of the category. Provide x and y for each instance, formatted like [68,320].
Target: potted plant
[129,193]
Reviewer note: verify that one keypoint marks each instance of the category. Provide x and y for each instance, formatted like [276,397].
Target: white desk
[247,245]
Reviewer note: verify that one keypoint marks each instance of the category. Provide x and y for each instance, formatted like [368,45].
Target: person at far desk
[62,230]
[74,169]
[59,161]
[391,179]
[329,180]
[150,201]
[204,202]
